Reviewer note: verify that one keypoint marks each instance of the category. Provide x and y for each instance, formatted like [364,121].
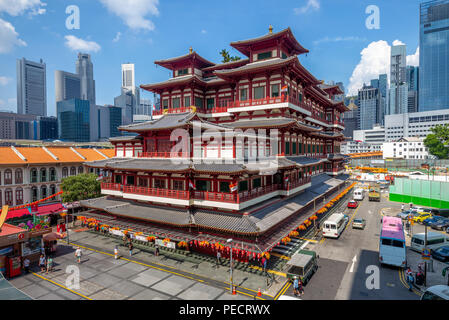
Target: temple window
[259,92]
[264,55]
[224,187]
[182,72]
[257,183]
[243,186]
[186,101]
[178,185]
[284,56]
[165,104]
[176,103]
[243,94]
[210,102]
[202,185]
[130,180]
[159,183]
[275,90]
[199,102]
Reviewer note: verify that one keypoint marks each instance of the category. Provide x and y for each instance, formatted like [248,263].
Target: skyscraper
[31,87]
[85,70]
[434,55]
[128,81]
[129,99]
[74,120]
[381,84]
[67,86]
[370,104]
[413,85]
[398,86]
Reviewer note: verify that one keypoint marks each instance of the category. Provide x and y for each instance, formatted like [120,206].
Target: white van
[434,241]
[359,194]
[440,292]
[334,226]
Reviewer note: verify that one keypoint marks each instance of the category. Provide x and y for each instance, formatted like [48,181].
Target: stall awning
[42,210]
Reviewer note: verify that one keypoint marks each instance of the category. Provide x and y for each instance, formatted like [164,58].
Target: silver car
[358,223]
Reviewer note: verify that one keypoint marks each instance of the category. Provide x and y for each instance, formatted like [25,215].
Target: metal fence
[411,164]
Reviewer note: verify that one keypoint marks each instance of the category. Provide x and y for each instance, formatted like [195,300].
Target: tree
[227,57]
[80,187]
[438,141]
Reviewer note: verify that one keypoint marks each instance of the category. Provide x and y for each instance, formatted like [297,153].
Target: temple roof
[306,161]
[182,80]
[285,36]
[331,89]
[174,63]
[226,65]
[271,123]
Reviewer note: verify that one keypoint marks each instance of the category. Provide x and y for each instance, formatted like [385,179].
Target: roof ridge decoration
[51,154]
[21,156]
[77,153]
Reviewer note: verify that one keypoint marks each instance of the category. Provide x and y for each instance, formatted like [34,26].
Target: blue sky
[333,30]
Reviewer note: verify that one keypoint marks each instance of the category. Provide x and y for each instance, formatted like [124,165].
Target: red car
[353,204]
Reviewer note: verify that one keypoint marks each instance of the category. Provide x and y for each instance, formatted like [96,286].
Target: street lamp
[229,241]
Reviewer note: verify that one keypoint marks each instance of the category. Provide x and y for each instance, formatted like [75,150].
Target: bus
[334,225]
[392,248]
[359,194]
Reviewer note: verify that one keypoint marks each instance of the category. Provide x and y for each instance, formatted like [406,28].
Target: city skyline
[148,45]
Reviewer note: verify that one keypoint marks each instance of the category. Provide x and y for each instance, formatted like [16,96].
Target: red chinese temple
[237,150]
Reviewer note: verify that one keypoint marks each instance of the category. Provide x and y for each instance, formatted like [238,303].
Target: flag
[286,179]
[233,187]
[192,185]
[284,89]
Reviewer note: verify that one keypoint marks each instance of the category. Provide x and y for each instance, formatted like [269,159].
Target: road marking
[305,245]
[282,274]
[354,260]
[283,290]
[309,240]
[164,268]
[280,256]
[404,282]
[60,285]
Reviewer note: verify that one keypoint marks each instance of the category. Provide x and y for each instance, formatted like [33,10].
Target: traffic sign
[425,254]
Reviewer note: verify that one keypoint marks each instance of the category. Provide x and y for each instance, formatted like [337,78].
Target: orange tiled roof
[365,154]
[90,154]
[37,155]
[108,152]
[65,154]
[8,156]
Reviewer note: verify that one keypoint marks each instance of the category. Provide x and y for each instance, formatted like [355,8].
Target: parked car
[441,224]
[447,230]
[421,217]
[353,204]
[358,223]
[432,219]
[441,254]
[404,214]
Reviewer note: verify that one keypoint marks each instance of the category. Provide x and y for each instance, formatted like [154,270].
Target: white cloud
[4,81]
[134,12]
[19,7]
[117,37]
[77,44]
[398,43]
[203,31]
[311,5]
[338,39]
[413,59]
[9,38]
[375,60]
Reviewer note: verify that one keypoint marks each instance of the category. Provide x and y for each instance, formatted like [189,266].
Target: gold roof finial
[270,28]
[190,50]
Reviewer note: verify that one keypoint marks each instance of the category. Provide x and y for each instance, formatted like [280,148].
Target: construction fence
[421,192]
[396,164]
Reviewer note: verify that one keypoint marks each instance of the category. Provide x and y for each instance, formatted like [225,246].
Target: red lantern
[254,255]
[258,256]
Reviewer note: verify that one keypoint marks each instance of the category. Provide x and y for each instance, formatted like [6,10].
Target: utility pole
[425,262]
[230,266]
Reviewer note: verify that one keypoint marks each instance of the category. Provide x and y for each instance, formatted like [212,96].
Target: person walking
[26,265]
[218,257]
[130,248]
[295,285]
[402,208]
[49,264]
[157,251]
[410,281]
[300,287]
[264,262]
[42,263]
[78,254]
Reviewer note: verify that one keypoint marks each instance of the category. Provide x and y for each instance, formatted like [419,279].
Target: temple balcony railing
[267,101]
[224,197]
[168,154]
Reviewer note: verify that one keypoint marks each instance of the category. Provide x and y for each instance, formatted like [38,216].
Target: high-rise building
[434,55]
[109,119]
[74,120]
[381,84]
[31,87]
[85,70]
[398,85]
[413,85]
[128,81]
[144,107]
[67,86]
[351,117]
[45,128]
[370,106]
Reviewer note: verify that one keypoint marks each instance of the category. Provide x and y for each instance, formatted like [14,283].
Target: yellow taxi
[422,216]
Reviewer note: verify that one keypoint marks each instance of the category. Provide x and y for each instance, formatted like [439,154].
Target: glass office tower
[434,55]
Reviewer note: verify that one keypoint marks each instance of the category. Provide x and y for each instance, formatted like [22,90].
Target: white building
[406,148]
[416,124]
[376,135]
[360,147]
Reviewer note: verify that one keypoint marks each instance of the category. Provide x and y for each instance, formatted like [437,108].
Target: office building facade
[413,88]
[434,55]
[67,86]
[85,71]
[31,87]
[398,85]
[370,107]
[74,120]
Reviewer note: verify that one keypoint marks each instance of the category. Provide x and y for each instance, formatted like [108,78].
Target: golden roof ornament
[270,29]
[190,50]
